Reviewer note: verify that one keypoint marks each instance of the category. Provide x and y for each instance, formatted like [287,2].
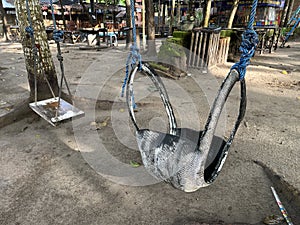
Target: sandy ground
[80,172]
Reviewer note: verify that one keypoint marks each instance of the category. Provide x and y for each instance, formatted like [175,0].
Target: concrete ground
[89,171]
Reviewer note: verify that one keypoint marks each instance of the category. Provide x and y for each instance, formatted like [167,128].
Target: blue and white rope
[248,45]
[134,55]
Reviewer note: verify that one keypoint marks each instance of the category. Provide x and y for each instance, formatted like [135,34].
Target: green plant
[182,38]
[168,49]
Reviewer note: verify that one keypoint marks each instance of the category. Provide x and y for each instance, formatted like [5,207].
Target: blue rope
[133,21]
[134,54]
[57,34]
[29,30]
[248,45]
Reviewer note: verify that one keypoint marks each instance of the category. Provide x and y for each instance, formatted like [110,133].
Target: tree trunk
[159,15]
[150,24]
[86,11]
[289,12]
[284,13]
[128,23]
[44,59]
[172,18]
[163,19]
[232,14]
[207,13]
[4,20]
[178,14]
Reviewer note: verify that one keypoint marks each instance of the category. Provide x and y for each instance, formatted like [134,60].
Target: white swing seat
[47,109]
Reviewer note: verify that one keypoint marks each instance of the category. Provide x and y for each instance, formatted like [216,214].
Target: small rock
[28,150]
[93,124]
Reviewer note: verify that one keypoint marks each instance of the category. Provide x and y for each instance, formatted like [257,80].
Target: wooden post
[199,49]
[191,49]
[195,48]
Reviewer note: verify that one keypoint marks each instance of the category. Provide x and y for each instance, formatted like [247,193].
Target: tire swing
[183,156]
[55,109]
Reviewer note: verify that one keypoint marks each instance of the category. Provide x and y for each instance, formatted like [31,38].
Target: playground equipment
[186,158]
[294,22]
[54,109]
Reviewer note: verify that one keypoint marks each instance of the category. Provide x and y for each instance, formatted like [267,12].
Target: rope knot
[58,35]
[249,42]
[135,54]
[29,30]
[247,49]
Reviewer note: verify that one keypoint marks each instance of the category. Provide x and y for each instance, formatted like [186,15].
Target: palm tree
[232,14]
[42,46]
[207,13]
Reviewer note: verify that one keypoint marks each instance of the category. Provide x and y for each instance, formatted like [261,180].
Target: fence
[207,48]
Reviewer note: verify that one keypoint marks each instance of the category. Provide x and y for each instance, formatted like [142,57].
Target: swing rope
[134,54]
[248,45]
[58,37]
